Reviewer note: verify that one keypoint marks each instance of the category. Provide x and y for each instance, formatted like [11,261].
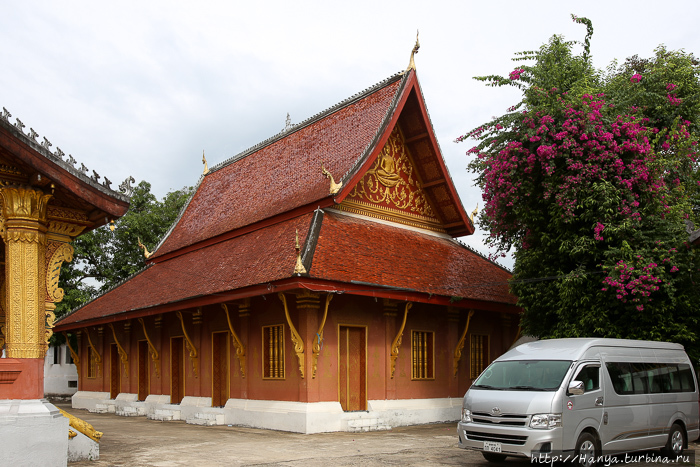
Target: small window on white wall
[56,355]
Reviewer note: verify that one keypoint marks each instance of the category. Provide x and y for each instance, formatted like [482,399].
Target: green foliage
[103,258]
[590,179]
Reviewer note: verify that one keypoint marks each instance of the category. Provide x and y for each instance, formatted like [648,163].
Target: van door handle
[599,400]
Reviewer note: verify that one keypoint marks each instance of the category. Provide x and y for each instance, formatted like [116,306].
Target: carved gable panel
[391,189]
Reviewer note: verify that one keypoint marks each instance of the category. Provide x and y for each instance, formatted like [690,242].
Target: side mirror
[576,388]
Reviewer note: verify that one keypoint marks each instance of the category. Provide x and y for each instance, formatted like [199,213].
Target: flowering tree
[591,179]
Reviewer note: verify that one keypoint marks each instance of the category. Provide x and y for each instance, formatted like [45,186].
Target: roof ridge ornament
[335,187]
[204,161]
[288,123]
[411,63]
[147,254]
[476,210]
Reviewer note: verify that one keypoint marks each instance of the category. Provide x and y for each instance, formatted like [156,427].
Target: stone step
[128,411]
[364,421]
[164,415]
[103,408]
[206,419]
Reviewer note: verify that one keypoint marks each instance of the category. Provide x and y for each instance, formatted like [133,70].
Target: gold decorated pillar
[308,305]
[24,233]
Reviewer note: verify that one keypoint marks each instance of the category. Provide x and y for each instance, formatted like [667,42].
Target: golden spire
[412,64]
[147,254]
[204,161]
[299,267]
[335,187]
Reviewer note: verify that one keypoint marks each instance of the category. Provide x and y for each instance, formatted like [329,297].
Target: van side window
[590,376]
[650,378]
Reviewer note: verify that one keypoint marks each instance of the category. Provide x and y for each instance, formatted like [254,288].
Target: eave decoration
[460,344]
[335,187]
[240,349]
[151,349]
[296,338]
[396,344]
[318,341]
[194,357]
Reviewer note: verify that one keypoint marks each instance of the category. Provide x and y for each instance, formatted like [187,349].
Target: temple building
[312,283]
[46,201]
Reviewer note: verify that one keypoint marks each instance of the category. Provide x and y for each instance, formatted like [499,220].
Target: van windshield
[523,375]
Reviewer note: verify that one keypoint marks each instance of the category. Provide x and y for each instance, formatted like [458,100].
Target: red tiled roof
[255,258]
[286,173]
[342,249]
[352,249]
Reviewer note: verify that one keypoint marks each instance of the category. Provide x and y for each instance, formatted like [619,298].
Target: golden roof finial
[299,267]
[147,254]
[474,213]
[335,187]
[204,161]
[412,64]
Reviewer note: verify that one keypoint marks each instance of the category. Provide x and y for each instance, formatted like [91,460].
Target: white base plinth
[32,432]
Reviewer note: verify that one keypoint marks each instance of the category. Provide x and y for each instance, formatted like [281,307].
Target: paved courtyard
[138,441]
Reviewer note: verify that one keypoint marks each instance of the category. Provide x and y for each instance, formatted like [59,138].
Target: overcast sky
[141,88]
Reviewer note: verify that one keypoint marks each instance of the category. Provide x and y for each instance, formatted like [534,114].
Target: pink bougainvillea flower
[515,74]
[636,78]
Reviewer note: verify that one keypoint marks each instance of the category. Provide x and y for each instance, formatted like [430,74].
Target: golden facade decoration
[391,190]
[194,356]
[122,353]
[296,338]
[24,220]
[73,353]
[96,355]
[318,339]
[240,349]
[396,344]
[460,344]
[151,349]
[59,253]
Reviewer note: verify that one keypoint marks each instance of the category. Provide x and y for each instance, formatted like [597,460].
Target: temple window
[479,354]
[56,355]
[273,352]
[423,350]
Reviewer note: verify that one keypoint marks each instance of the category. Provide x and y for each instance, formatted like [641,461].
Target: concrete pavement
[137,441]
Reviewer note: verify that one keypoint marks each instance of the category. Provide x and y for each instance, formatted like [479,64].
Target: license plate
[490,446]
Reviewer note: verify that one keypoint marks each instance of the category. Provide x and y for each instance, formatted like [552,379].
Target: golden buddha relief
[390,189]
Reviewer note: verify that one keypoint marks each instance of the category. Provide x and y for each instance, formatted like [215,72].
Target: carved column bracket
[98,357]
[240,348]
[460,344]
[122,353]
[318,339]
[194,357]
[151,349]
[296,338]
[73,354]
[396,344]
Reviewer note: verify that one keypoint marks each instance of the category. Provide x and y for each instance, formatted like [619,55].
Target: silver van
[582,400]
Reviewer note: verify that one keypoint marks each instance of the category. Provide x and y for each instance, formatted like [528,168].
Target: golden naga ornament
[147,254]
[335,187]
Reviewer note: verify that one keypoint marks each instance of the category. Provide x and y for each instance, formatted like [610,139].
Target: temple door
[220,369]
[177,370]
[143,371]
[115,382]
[352,371]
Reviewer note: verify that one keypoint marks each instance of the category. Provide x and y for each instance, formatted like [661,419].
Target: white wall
[58,377]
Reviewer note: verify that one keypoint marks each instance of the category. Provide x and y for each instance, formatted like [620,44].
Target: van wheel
[676,441]
[494,456]
[586,450]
